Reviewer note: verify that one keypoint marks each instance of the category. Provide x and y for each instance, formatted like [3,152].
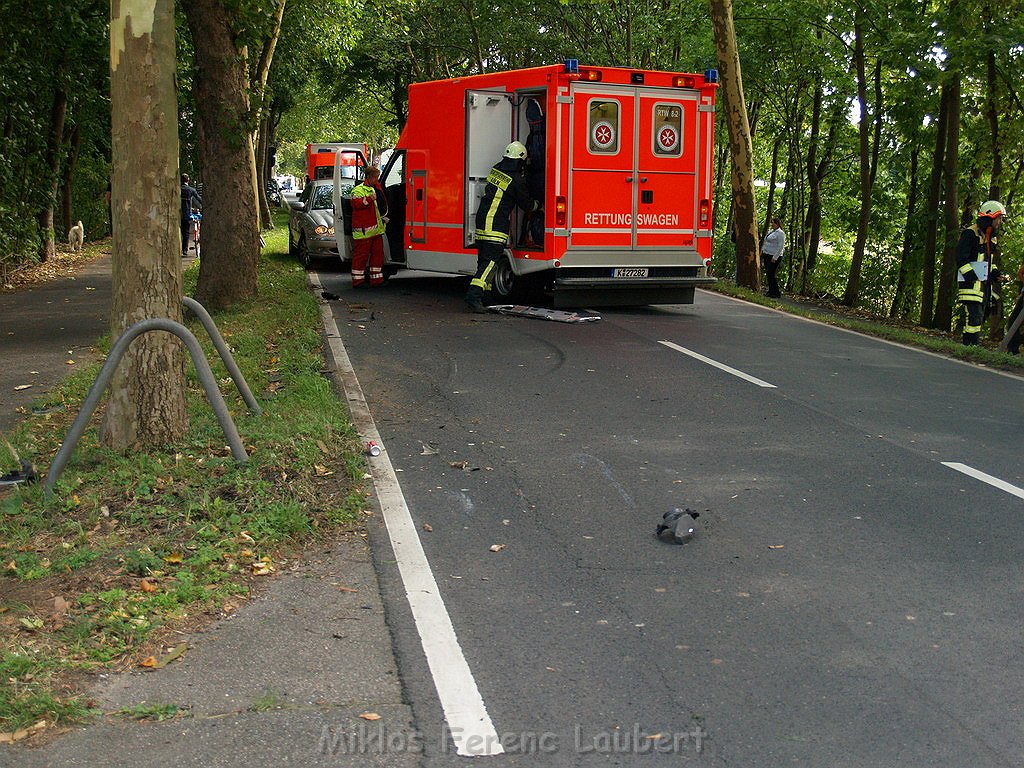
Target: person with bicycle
[189,196]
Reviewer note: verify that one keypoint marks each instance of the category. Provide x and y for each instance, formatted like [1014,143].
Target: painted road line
[977,474]
[468,722]
[720,366]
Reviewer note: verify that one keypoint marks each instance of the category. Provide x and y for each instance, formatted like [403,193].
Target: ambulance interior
[493,119]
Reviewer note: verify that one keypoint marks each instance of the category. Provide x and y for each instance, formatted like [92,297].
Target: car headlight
[322,230]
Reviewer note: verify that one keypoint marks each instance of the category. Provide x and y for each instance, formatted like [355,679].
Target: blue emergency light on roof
[572,66]
[710,75]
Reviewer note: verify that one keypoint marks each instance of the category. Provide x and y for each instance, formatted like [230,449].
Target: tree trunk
[769,209]
[231,244]
[864,220]
[47,246]
[748,273]
[147,394]
[263,173]
[947,275]
[992,115]
[901,298]
[67,215]
[262,140]
[932,209]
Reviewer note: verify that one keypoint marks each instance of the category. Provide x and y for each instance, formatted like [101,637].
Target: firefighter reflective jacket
[366,220]
[506,188]
[974,261]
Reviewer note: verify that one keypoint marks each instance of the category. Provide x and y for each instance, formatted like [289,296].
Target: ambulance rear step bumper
[594,292]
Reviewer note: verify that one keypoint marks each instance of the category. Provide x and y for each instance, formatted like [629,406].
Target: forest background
[877,128]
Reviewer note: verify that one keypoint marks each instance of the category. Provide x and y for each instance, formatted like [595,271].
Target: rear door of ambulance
[633,172]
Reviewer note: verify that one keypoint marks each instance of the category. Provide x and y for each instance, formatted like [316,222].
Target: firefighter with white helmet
[976,267]
[506,188]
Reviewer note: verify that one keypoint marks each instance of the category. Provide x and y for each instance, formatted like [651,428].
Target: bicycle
[197,219]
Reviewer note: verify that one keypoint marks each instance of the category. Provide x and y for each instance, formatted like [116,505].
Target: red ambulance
[625,181]
[320,159]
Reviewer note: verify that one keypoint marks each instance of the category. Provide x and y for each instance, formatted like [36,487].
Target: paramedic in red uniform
[367,231]
[506,188]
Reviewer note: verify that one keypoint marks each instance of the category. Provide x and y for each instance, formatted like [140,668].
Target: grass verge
[871,325]
[133,549]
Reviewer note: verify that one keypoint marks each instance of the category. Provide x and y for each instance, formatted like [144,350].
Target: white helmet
[516,150]
[992,208]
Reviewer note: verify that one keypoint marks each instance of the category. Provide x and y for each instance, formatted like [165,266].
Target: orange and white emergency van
[320,159]
[625,184]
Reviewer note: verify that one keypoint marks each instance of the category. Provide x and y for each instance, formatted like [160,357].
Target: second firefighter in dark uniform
[976,252]
[506,188]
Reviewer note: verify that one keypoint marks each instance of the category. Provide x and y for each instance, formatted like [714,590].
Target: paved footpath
[304,674]
[42,328]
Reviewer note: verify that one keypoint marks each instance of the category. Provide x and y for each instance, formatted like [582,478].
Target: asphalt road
[849,599]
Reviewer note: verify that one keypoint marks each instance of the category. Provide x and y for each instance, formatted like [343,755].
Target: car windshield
[322,198]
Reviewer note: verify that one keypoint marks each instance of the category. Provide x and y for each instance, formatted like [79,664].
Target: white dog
[76,237]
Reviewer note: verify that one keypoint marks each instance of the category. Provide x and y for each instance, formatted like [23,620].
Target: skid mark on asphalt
[583,459]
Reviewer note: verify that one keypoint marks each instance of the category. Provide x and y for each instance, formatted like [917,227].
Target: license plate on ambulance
[629,272]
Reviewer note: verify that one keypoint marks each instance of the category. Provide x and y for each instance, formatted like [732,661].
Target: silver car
[311,224]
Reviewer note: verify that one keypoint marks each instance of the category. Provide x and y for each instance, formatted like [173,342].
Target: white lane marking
[468,722]
[720,366]
[977,474]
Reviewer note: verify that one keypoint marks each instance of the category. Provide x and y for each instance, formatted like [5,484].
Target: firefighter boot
[475,294]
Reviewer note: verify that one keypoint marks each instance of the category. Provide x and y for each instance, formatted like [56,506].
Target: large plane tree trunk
[231,238]
[147,395]
[748,273]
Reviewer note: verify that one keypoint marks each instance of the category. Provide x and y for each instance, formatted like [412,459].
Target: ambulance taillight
[684,81]
[591,75]
[705,212]
[560,209]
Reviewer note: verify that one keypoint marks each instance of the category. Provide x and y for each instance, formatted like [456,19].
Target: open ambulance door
[488,132]
[347,163]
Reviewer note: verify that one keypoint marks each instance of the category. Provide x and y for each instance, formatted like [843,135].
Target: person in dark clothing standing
[189,196]
[506,188]
[975,260]
[771,256]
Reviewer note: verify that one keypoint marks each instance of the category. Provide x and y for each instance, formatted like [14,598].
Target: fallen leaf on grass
[149,662]
[147,586]
[322,471]
[263,566]
[370,716]
[21,733]
[497,547]
[60,605]
[174,557]
[31,623]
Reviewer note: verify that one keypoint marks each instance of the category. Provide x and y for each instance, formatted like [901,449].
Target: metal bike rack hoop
[106,373]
